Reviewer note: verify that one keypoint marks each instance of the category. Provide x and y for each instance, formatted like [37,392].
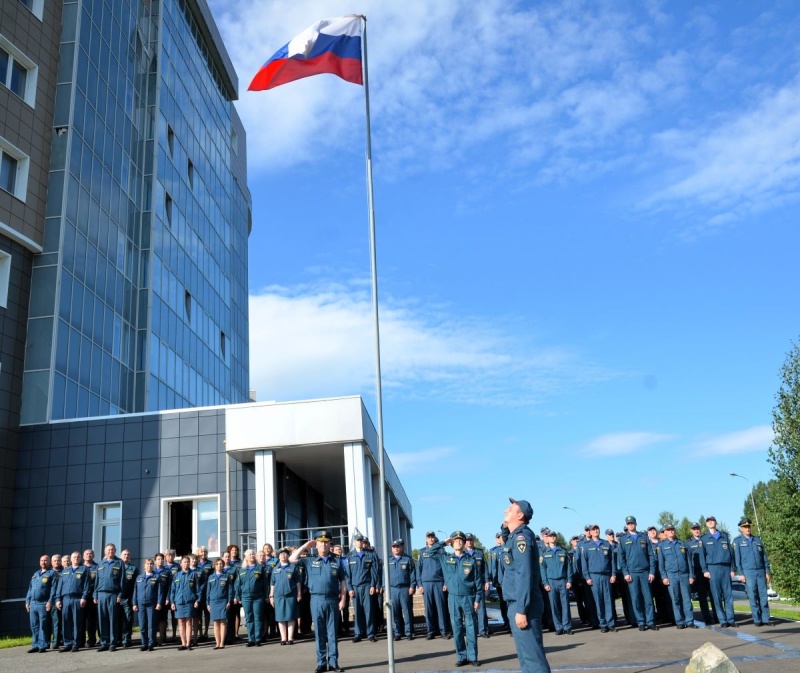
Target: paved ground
[753,650]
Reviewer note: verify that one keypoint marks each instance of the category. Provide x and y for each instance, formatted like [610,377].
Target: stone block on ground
[710,659]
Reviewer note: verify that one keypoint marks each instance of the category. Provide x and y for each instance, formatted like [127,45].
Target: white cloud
[758,438]
[318,341]
[421,461]
[623,443]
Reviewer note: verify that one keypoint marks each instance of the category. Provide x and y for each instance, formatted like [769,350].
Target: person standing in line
[638,563]
[556,570]
[130,573]
[402,584]
[717,563]
[146,600]
[480,562]
[752,566]
[184,597]
[71,598]
[218,599]
[107,596]
[251,591]
[694,544]
[362,583]
[285,595]
[521,581]
[596,562]
[429,573]
[88,626]
[676,568]
[39,601]
[495,574]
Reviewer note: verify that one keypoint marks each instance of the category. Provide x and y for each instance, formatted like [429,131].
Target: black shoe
[250,643]
[642,628]
[462,663]
[396,638]
[604,630]
[568,632]
[475,663]
[33,650]
[410,636]
[181,648]
[113,648]
[613,629]
[335,668]
[733,624]
[151,648]
[372,639]
[681,626]
[320,669]
[143,648]
[653,627]
[357,639]
[103,649]
[484,635]
[723,626]
[448,636]
[75,648]
[692,626]
[430,636]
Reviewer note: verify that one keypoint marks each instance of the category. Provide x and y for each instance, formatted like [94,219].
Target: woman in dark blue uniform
[285,594]
[184,597]
[219,596]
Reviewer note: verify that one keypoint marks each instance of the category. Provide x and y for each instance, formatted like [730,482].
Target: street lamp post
[752,499]
[576,514]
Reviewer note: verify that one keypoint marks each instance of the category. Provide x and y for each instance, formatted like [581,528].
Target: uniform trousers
[558,597]
[721,592]
[756,586]
[681,599]
[601,592]
[642,599]
[465,628]
[363,614]
[402,614]
[253,617]
[148,624]
[324,611]
[40,624]
[107,617]
[71,612]
[435,608]
[125,622]
[528,641]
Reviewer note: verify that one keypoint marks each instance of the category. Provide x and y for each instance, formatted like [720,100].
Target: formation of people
[75,602]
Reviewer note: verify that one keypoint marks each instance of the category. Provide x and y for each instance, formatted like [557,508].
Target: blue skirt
[184,610]
[286,608]
[218,610]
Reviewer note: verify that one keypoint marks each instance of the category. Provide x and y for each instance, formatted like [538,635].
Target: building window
[188,523]
[235,142]
[190,173]
[5,276]
[187,305]
[17,72]
[168,208]
[107,526]
[36,7]
[13,170]
[170,140]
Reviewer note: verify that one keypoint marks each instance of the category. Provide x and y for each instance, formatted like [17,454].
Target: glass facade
[139,301]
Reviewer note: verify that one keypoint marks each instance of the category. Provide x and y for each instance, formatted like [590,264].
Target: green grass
[10,641]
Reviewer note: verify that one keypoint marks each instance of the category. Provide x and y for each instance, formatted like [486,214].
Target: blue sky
[587,219]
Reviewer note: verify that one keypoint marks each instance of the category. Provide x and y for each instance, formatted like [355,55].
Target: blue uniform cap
[457,535]
[652,528]
[524,506]
[588,526]
[745,522]
[430,533]
[323,536]
[500,534]
[469,536]
[711,518]
[630,519]
[398,543]
[609,531]
[669,526]
[360,538]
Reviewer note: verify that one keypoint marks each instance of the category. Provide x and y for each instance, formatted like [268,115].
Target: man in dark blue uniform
[107,596]
[325,578]
[596,564]
[695,546]
[130,573]
[431,579]
[402,584]
[556,570]
[521,582]
[73,593]
[480,561]
[752,565]
[638,563]
[362,582]
[675,567]
[462,582]
[252,587]
[88,618]
[39,601]
[495,571]
[717,562]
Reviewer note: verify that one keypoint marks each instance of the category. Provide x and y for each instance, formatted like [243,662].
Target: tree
[667,519]
[781,533]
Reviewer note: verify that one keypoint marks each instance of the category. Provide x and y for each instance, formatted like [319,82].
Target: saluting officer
[39,601]
[638,563]
[717,561]
[596,564]
[752,565]
[325,577]
[556,570]
[429,573]
[402,584]
[677,570]
[463,582]
[146,600]
[71,598]
[521,580]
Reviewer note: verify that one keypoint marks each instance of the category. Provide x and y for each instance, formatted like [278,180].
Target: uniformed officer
[752,566]
[556,571]
[480,562]
[146,600]
[326,583]
[344,613]
[588,594]
[657,588]
[203,617]
[495,576]
[402,584]
[596,564]
[71,598]
[431,579]
[361,569]
[252,589]
[521,579]
[184,597]
[717,562]
[130,573]
[638,565]
[173,567]
[676,568]
[88,626]
[286,593]
[694,544]
[56,625]
[270,624]
[107,596]
[165,579]
[39,601]
[218,598]
[463,582]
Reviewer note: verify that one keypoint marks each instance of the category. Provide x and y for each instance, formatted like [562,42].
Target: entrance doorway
[180,527]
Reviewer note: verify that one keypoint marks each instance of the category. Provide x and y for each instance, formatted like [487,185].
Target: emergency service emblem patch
[522,545]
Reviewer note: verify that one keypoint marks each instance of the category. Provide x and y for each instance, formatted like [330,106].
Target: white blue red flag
[329,46]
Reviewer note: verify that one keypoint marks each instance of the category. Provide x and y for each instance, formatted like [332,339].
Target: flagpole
[387,602]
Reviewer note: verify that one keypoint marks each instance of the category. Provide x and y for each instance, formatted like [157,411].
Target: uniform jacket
[521,575]
[749,555]
[636,555]
[674,559]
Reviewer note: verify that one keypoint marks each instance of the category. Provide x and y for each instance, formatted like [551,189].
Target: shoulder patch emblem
[522,544]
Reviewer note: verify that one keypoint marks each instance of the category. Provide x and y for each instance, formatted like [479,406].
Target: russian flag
[329,46]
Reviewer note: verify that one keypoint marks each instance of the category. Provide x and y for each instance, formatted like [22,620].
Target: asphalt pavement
[753,650]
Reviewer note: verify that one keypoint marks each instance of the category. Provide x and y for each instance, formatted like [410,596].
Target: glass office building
[139,298]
